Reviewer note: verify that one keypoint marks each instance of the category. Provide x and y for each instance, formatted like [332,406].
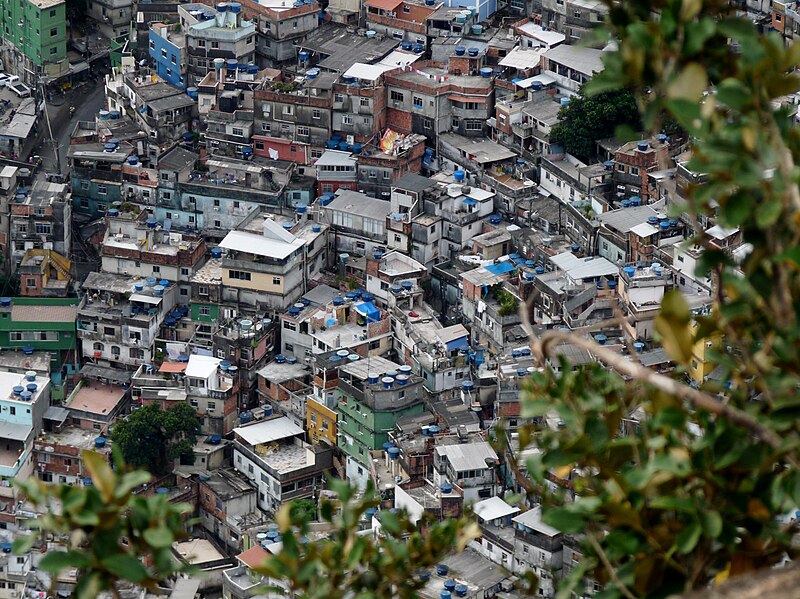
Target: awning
[79,67]
[15,432]
[458,344]
[369,310]
[173,367]
[56,414]
[470,202]
[145,299]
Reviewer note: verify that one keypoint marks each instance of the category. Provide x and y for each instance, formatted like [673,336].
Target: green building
[122,47]
[370,406]
[34,324]
[35,33]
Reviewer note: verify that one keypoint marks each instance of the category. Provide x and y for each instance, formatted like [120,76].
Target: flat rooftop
[74,436]
[9,380]
[198,551]
[210,272]
[343,49]
[97,398]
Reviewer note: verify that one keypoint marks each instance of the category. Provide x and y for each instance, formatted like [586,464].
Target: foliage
[351,565]
[588,118]
[508,303]
[692,489]
[96,518]
[153,438]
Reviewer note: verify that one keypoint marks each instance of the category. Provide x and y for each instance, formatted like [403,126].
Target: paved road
[88,102]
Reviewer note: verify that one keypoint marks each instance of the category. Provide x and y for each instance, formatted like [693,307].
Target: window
[266,127]
[237,132]
[115,351]
[54,32]
[427,123]
[156,269]
[406,8]
[396,96]
[239,275]
[30,282]
[218,224]
[98,346]
[338,97]
[212,405]
[215,45]
[316,114]
[44,228]
[136,353]
[184,272]
[236,204]
[205,311]
[288,109]
[102,190]
[276,280]
[303,131]
[289,326]
[364,102]
[473,125]
[163,53]
[201,43]
[417,101]
[109,331]
[347,119]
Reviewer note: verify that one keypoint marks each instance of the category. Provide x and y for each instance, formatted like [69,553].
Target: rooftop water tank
[316,228]
[450,584]
[473,52]
[461,590]
[215,439]
[477,29]
[387,382]
[222,6]
[642,146]
[565,101]
[371,34]
[192,92]
[626,203]
[393,452]
[486,72]
[216,253]
[405,46]
[468,385]
[5,302]
[402,379]
[630,271]
[17,390]
[443,569]
[100,442]
[460,50]
[234,7]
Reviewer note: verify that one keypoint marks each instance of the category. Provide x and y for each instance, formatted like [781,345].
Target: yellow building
[702,363]
[320,423]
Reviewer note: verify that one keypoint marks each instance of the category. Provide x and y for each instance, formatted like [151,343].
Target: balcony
[243,582]
[81,172]
[536,539]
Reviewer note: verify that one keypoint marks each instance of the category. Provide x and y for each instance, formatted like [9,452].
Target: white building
[465,464]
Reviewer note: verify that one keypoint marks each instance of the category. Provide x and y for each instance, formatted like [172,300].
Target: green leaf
[672,324]
[23,544]
[688,538]
[733,93]
[102,476]
[678,504]
[158,537]
[768,212]
[126,566]
[56,561]
[89,586]
[565,520]
[690,83]
[711,522]
[130,481]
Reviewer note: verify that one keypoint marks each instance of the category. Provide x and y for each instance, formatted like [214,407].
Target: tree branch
[697,398]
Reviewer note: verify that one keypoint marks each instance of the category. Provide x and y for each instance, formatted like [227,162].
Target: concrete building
[121,318]
[216,34]
[113,18]
[370,403]
[273,455]
[35,36]
[42,221]
[167,49]
[358,222]
[25,401]
[470,465]
[571,66]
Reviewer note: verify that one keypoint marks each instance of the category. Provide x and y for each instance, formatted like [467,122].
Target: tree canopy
[588,118]
[153,438]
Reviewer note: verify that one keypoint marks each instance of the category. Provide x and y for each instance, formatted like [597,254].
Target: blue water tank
[443,569]
[344,146]
[216,253]
[215,439]
[133,161]
[450,584]
[473,52]
[445,487]
[393,452]
[459,175]
[434,430]
[460,50]
[486,72]
[193,92]
[100,442]
[630,271]
[406,45]
[461,590]
[245,417]
[267,410]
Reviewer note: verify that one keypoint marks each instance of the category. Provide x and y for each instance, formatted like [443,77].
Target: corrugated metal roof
[268,431]
[625,219]
[533,519]
[467,456]
[15,432]
[493,508]
[201,367]
[250,243]
[584,268]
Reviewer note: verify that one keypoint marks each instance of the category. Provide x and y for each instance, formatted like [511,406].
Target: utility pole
[52,140]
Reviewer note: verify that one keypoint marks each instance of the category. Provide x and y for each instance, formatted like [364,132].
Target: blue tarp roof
[500,268]
[460,343]
[369,310]
[470,202]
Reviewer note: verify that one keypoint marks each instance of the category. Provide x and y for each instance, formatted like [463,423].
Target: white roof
[8,171]
[493,508]
[201,367]
[398,58]
[584,268]
[336,158]
[584,60]
[544,79]
[259,245]
[145,299]
[644,230]
[467,456]
[371,72]
[533,519]
[549,37]
[522,58]
[267,431]
[718,232]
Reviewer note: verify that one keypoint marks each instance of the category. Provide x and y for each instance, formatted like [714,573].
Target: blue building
[484,9]
[167,48]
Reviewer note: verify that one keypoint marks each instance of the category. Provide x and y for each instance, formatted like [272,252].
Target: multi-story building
[45,273]
[468,463]
[273,455]
[221,34]
[399,19]
[121,318]
[336,169]
[162,111]
[374,394]
[96,175]
[359,222]
[279,26]
[35,35]
[431,100]
[46,326]
[294,124]
[138,245]
[263,270]
[573,18]
[226,501]
[57,453]
[26,397]
[571,66]
[42,221]
[113,17]
[167,49]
